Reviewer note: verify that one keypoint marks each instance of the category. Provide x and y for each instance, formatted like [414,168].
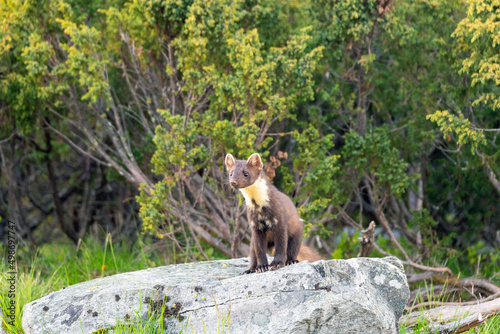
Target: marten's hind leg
[294,242]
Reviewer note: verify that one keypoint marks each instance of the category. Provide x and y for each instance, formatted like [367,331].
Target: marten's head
[243,173]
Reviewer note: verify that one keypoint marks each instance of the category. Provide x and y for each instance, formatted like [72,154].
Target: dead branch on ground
[453,313]
[452,317]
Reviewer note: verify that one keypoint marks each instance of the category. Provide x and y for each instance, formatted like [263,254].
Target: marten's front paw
[262,268]
[290,262]
[249,271]
[275,265]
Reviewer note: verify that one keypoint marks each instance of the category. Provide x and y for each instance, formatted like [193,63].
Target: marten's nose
[233,183]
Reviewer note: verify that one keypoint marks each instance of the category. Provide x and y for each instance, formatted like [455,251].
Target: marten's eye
[231,174]
[245,174]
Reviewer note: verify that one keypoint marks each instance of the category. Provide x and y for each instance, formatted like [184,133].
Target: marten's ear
[229,161]
[255,161]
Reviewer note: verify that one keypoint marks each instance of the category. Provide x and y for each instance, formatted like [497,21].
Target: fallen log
[459,326]
[437,303]
[473,283]
[454,313]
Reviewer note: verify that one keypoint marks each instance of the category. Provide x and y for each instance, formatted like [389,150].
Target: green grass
[155,324]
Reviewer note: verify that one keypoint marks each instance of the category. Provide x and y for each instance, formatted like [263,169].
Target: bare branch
[489,172]
[367,241]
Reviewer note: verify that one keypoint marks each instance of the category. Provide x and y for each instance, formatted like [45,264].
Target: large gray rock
[363,295]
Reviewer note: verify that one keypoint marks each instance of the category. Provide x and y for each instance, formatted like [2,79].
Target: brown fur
[272,215]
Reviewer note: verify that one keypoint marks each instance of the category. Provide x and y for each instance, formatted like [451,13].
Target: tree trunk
[70,232]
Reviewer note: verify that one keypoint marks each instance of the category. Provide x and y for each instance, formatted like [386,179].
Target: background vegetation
[116,116]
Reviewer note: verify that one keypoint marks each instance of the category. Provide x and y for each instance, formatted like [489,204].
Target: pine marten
[272,216]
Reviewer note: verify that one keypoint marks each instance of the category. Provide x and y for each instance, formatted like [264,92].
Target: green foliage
[478,37]
[347,247]
[476,41]
[313,156]
[472,111]
[252,84]
[351,20]
[451,124]
[375,155]
[483,259]
[21,42]
[86,61]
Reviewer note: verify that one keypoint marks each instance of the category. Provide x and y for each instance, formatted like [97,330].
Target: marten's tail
[309,254]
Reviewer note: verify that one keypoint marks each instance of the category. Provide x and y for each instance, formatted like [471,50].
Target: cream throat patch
[257,193]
